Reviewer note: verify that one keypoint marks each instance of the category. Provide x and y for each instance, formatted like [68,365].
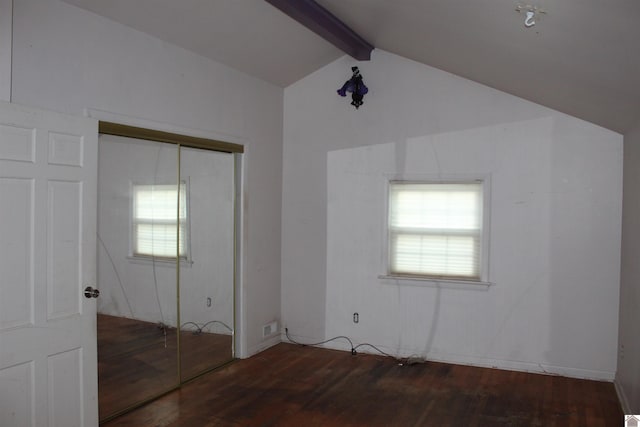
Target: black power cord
[199,328]
[405,361]
[353,350]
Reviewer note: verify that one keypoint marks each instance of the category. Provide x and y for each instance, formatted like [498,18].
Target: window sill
[165,262]
[435,283]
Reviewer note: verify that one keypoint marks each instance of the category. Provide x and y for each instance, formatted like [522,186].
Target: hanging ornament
[356,86]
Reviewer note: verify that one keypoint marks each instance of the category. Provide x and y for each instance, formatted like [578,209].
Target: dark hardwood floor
[138,360]
[289,385]
[203,351]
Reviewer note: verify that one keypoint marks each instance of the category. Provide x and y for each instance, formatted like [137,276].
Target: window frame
[133,254]
[485,232]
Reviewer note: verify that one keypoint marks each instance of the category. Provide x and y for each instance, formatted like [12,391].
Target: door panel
[18,143]
[17,264]
[137,308]
[207,282]
[48,171]
[65,388]
[63,252]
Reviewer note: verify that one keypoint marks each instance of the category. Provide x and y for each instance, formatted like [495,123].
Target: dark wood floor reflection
[138,360]
[203,351]
[289,385]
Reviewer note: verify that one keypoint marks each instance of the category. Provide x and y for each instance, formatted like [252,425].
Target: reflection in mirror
[207,272]
[137,308]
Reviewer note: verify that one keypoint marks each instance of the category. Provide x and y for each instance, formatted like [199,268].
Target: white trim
[240,322]
[435,283]
[508,365]
[622,397]
[485,272]
[262,346]
[161,262]
[513,365]
[240,333]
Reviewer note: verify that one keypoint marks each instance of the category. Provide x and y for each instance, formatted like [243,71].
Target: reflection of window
[436,230]
[154,225]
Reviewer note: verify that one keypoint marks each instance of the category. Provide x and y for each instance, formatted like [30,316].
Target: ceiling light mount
[532,13]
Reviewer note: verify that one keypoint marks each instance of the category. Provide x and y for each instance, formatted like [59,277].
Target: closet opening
[168,208]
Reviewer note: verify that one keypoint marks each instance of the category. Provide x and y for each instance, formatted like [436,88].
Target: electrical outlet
[209,301]
[356,318]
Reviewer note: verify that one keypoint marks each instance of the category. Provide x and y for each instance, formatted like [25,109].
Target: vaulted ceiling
[581,58]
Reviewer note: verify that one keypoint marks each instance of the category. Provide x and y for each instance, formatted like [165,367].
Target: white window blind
[435,229]
[155,223]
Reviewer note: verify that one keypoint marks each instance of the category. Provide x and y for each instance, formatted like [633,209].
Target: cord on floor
[402,361]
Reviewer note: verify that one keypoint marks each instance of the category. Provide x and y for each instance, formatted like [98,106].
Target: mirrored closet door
[166,245]
[206,275]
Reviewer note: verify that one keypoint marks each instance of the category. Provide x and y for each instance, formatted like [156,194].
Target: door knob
[90,292]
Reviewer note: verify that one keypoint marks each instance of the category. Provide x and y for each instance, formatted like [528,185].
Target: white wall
[628,376]
[556,187]
[67,59]
[6,7]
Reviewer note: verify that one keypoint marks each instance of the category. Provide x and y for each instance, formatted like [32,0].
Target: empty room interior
[329,212]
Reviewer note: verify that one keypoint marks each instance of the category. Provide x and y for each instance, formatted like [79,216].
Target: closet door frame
[182,140]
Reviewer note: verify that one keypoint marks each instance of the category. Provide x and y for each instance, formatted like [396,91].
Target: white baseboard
[538,368]
[482,362]
[262,346]
[622,397]
[508,365]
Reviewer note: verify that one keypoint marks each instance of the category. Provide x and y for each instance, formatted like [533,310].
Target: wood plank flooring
[138,360]
[289,385]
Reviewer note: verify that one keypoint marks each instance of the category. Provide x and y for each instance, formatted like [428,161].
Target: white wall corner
[6,46]
[622,397]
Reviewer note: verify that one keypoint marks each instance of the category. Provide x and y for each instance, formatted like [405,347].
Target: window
[436,230]
[154,225]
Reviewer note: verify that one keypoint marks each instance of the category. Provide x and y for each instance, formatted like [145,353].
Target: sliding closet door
[207,275]
[138,239]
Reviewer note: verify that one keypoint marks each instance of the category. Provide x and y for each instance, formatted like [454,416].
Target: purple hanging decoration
[356,87]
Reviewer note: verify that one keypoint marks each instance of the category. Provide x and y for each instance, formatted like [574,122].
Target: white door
[48,358]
